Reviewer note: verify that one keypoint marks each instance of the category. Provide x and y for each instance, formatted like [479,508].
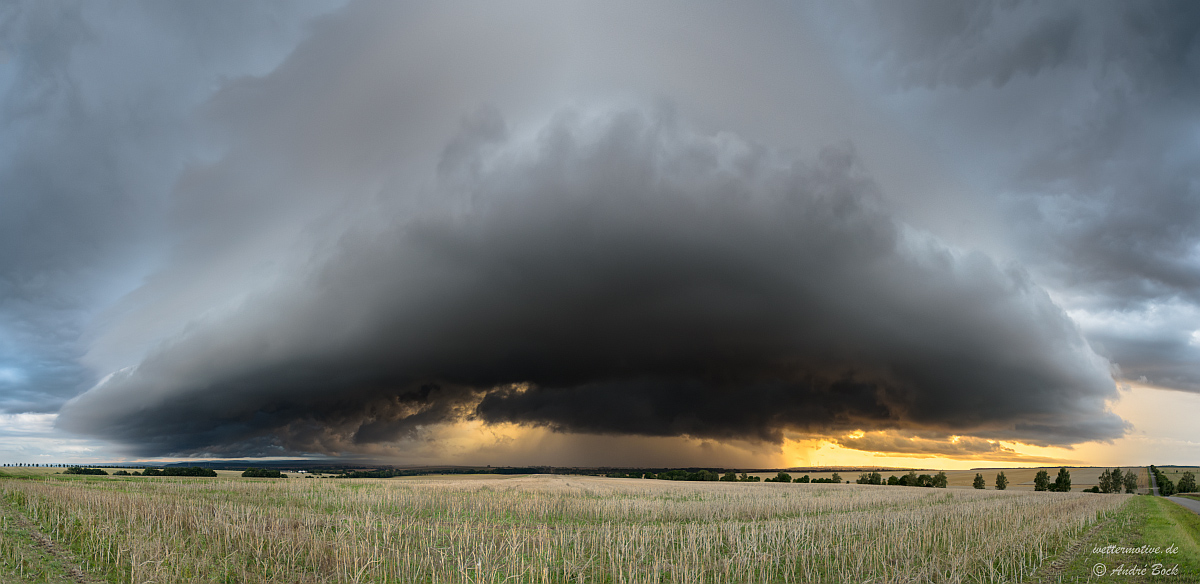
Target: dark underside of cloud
[618,273]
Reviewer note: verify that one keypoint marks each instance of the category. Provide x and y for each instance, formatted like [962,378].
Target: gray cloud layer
[95,105]
[1080,119]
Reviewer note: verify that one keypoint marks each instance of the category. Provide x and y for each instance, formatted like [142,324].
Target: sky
[915,233]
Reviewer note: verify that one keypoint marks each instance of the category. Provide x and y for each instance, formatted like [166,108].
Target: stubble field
[547,529]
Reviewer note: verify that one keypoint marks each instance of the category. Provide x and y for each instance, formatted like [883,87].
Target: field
[544,528]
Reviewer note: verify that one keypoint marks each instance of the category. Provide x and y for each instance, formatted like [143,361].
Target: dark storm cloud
[613,271]
[1081,118]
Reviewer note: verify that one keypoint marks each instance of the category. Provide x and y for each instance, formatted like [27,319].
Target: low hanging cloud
[955,447]
[614,271]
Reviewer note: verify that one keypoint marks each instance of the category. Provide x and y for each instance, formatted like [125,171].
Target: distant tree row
[84,471]
[266,473]
[912,479]
[179,471]
[683,475]
[191,471]
[732,477]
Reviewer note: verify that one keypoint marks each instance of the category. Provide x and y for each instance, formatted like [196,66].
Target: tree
[939,480]
[1131,481]
[837,478]
[803,479]
[978,483]
[1062,483]
[924,481]
[730,477]
[1001,481]
[1187,483]
[1042,481]
[893,480]
[910,479]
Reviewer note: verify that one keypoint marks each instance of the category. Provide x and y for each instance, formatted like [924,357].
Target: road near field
[1192,504]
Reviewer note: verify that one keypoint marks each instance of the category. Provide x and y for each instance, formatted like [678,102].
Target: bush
[803,479]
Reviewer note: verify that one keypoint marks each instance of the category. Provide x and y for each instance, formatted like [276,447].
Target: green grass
[1153,522]
[22,560]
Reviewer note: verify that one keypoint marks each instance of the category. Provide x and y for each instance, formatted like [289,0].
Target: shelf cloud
[616,272]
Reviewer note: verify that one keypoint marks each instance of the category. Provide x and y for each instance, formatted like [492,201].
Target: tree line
[266,473]
[190,471]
